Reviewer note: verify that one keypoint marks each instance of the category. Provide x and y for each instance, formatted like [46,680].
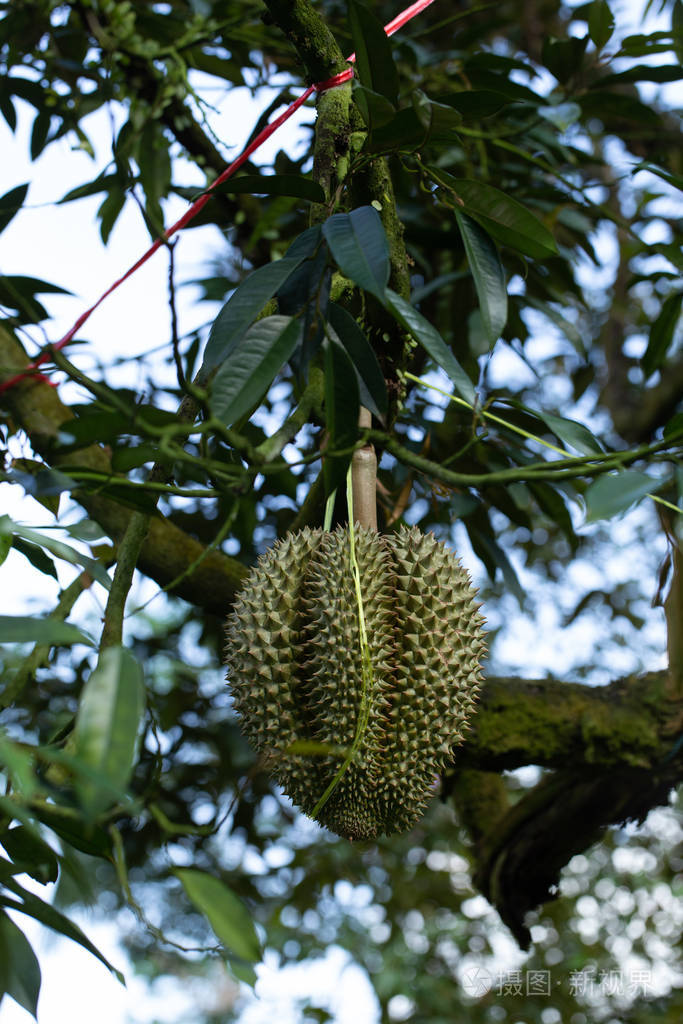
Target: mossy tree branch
[371,183]
[616,754]
[310,36]
[557,724]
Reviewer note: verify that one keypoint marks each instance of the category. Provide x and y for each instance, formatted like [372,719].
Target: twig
[128,553]
[182,382]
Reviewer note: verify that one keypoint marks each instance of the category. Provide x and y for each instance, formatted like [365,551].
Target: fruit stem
[364,478]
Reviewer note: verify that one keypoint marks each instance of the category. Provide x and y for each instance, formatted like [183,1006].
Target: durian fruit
[372,744]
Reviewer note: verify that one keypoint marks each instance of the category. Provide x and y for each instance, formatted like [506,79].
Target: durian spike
[364,478]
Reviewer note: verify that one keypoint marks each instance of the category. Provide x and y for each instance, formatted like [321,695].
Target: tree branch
[313,41]
[617,754]
[370,184]
[556,724]
[167,552]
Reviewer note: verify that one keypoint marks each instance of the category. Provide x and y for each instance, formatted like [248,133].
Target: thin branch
[566,469]
[175,342]
[128,553]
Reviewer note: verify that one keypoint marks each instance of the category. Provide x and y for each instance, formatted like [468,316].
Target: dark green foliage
[523,142]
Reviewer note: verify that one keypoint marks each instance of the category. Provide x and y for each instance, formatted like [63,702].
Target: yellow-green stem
[366,664]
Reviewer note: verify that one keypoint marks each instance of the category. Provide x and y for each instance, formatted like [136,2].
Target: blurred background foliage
[564,112]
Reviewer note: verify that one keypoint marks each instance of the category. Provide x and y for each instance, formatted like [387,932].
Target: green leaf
[404,132]
[305,246]
[38,480]
[643,73]
[489,276]
[662,334]
[430,339]
[494,558]
[564,57]
[617,111]
[18,764]
[29,310]
[476,103]
[108,722]
[36,556]
[481,76]
[25,629]
[19,292]
[569,329]
[249,370]
[551,502]
[227,915]
[426,121]
[102,183]
[30,854]
[438,119]
[70,826]
[273,185]
[616,492]
[571,433]
[342,405]
[6,105]
[32,92]
[48,915]
[244,972]
[677,28]
[504,218]
[305,294]
[242,308]
[436,284]
[5,546]
[109,211]
[376,110]
[39,133]
[58,548]
[374,57]
[600,23]
[360,249]
[302,287]
[85,529]
[11,203]
[128,457]
[19,968]
[373,388]
[674,427]
[93,424]
[154,162]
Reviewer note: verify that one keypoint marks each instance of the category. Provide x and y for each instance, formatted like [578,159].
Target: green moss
[555,724]
[331,156]
[309,34]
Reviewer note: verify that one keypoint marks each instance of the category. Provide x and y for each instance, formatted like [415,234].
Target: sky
[61,244]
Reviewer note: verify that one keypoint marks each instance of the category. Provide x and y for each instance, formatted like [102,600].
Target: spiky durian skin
[294,663]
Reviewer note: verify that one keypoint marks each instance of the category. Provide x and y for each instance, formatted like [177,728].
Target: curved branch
[616,751]
[167,552]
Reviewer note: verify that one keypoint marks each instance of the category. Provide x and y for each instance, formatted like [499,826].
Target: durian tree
[450,322]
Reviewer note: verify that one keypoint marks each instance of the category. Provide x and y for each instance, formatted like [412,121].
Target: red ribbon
[393,26]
